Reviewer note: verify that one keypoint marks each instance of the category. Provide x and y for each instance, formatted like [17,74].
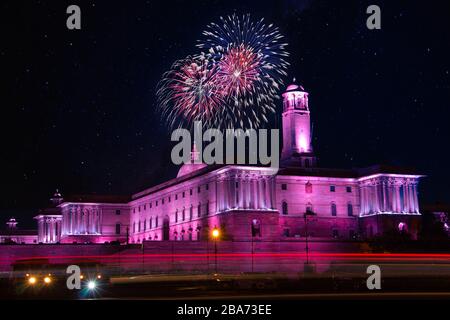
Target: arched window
[284,208]
[349,209]
[333,209]
[402,227]
[256,228]
[308,187]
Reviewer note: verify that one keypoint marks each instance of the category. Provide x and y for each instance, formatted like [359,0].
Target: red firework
[238,70]
[190,90]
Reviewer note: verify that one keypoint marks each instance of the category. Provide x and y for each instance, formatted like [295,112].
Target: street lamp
[215,235]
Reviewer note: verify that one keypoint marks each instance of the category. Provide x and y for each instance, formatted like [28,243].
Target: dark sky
[78,107]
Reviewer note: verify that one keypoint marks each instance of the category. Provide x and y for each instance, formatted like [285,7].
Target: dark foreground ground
[245,286]
[424,276]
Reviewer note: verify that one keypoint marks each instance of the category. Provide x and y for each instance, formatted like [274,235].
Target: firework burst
[189,92]
[233,83]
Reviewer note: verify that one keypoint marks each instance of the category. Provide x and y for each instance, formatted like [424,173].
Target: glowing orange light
[32,280]
[215,233]
[47,280]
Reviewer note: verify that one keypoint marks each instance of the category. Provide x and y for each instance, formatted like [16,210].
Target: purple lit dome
[294,87]
[192,166]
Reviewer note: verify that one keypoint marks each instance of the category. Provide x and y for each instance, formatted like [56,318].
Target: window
[256,228]
[134,210]
[176,216]
[207,187]
[309,209]
[198,189]
[284,208]
[308,187]
[306,163]
[199,210]
[176,196]
[156,222]
[207,208]
[283,186]
[169,198]
[332,188]
[182,215]
[183,194]
[117,212]
[139,226]
[156,203]
[145,207]
[190,212]
[151,223]
[145,224]
[134,227]
[335,233]
[333,209]
[286,232]
[150,205]
[139,208]
[162,201]
[348,189]
[190,192]
[350,210]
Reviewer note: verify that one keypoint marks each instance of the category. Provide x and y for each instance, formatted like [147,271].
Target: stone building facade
[295,201]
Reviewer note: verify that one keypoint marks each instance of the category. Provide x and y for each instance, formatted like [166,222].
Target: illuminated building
[249,202]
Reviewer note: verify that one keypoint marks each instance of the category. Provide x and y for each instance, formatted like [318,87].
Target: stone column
[261,192]
[416,199]
[232,191]
[363,200]
[408,206]
[241,192]
[376,208]
[384,196]
[248,192]
[399,200]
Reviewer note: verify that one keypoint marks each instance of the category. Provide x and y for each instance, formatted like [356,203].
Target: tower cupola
[297,148]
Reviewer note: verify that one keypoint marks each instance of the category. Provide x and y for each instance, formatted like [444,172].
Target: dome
[190,167]
[294,87]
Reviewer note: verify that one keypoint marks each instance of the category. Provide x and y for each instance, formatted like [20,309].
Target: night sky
[78,107]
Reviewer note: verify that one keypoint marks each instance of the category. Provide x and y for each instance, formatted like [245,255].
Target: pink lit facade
[250,202]
[14,235]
